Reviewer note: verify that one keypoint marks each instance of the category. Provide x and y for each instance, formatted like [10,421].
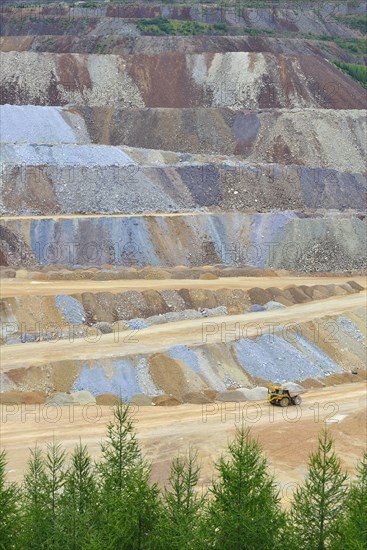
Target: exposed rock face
[281,240]
[151,158]
[244,80]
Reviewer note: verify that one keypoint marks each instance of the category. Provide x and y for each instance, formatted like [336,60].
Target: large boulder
[166,401]
[108,400]
[259,393]
[83,397]
[210,393]
[269,306]
[256,307]
[208,276]
[355,285]
[103,327]
[141,400]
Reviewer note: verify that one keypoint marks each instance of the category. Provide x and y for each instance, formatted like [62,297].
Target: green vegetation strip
[358,72]
[352,46]
[164,26]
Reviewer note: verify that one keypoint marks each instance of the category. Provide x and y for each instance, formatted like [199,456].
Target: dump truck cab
[282,396]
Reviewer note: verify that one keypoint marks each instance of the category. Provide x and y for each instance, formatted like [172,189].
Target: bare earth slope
[260,80]
[185,332]
[123,151]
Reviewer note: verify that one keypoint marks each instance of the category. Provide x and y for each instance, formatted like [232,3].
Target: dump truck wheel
[297,400]
[284,402]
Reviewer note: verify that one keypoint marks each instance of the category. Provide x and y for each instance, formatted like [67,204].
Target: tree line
[111,504]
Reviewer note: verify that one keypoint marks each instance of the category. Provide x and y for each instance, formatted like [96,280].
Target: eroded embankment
[175,80]
[297,242]
[220,359]
[184,137]
[265,136]
[22,314]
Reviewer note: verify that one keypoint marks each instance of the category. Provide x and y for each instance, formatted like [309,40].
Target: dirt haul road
[24,287]
[287,435]
[158,338]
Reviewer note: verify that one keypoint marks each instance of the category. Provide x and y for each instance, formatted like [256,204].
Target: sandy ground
[287,435]
[21,287]
[119,215]
[160,337]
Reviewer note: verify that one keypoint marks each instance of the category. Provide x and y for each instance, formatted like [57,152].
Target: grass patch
[88,5]
[164,26]
[357,72]
[351,45]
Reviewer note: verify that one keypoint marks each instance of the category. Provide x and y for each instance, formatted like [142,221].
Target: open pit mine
[182,225]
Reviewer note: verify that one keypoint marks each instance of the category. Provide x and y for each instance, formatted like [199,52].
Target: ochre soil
[286,435]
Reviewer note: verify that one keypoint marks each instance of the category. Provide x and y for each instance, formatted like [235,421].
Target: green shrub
[358,72]
[162,25]
[258,32]
[319,502]
[88,5]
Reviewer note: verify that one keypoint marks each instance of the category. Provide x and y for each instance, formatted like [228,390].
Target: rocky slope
[236,79]
[123,151]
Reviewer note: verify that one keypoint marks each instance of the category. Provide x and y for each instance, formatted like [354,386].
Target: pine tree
[353,527]
[245,513]
[36,518]
[121,449]
[128,504]
[180,524]
[318,503]
[78,502]
[54,470]
[9,513]
[41,493]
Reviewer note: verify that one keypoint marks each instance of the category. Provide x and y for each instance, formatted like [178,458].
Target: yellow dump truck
[283,396]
